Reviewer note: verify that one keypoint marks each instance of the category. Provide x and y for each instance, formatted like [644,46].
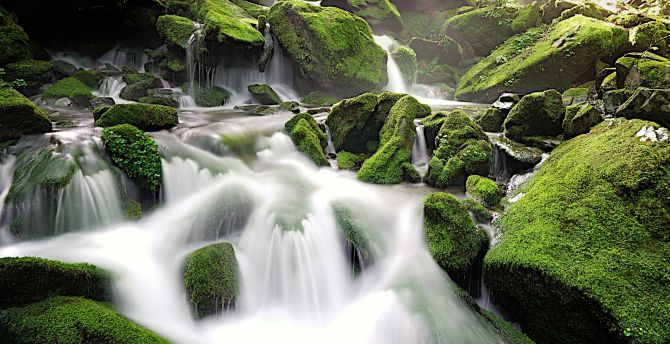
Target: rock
[356,233]
[268,47]
[79,94]
[382,15]
[437,74]
[537,114]
[431,128]
[317,98]
[165,101]
[463,149]
[33,72]
[331,47]
[575,96]
[13,40]
[30,279]
[405,57]
[528,16]
[19,116]
[148,117]
[102,101]
[350,161]
[609,83]
[447,51]
[587,9]
[391,164]
[613,99]
[478,211]
[291,106]
[207,96]
[71,320]
[584,241]
[652,36]
[483,189]
[90,78]
[579,119]
[491,120]
[212,279]
[175,30]
[506,102]
[649,104]
[256,110]
[482,29]
[452,238]
[511,157]
[264,94]
[553,9]
[225,22]
[533,61]
[308,138]
[643,70]
[138,85]
[135,153]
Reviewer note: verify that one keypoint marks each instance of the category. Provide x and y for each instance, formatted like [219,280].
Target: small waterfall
[120,56]
[420,155]
[6,178]
[330,148]
[191,63]
[396,82]
[111,87]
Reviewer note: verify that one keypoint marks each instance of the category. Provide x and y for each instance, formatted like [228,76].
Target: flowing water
[396,81]
[420,155]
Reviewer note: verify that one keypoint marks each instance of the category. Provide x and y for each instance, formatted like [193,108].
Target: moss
[19,116]
[134,78]
[579,119]
[645,70]
[443,51]
[651,36]
[332,48]
[212,278]
[507,330]
[354,231]
[453,239]
[350,161]
[483,189]
[462,149]
[136,153]
[535,60]
[529,16]
[78,92]
[317,98]
[147,117]
[63,319]
[587,9]
[228,23]
[132,210]
[405,57]
[536,114]
[13,40]
[28,70]
[208,96]
[590,238]
[291,106]
[264,94]
[575,96]
[382,15]
[175,30]
[649,104]
[308,137]
[30,279]
[478,211]
[253,9]
[99,111]
[165,101]
[483,29]
[491,120]
[175,65]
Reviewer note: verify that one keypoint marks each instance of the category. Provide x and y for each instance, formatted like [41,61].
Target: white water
[396,82]
[420,155]
[111,87]
[297,286]
[117,56]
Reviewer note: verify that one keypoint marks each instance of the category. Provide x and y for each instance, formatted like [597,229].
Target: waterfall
[396,82]
[330,148]
[111,87]
[6,178]
[420,156]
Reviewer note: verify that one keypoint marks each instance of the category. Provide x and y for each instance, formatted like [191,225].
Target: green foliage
[175,30]
[19,116]
[308,138]
[318,99]
[228,23]
[483,189]
[132,210]
[212,278]
[63,319]
[480,213]
[70,87]
[207,96]
[136,153]
[264,94]
[13,40]
[147,117]
[350,161]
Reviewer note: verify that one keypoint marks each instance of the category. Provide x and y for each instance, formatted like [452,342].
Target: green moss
[462,149]
[90,78]
[354,231]
[648,104]
[28,70]
[19,116]
[30,279]
[480,213]
[317,98]
[483,189]
[208,96]
[590,238]
[254,10]
[291,106]
[536,114]
[132,210]
[405,57]
[529,16]
[212,278]
[575,96]
[134,152]
[46,169]
[175,65]
[134,78]
[491,120]
[579,119]
[72,320]
[72,88]
[147,117]
[534,60]
[332,48]
[382,15]
[308,137]
[264,94]
[350,161]
[13,40]
[165,101]
[507,330]
[175,30]
[228,23]
[587,9]
[483,29]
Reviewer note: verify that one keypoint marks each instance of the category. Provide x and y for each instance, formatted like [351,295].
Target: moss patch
[264,94]
[19,116]
[308,137]
[227,23]
[536,114]
[136,153]
[208,96]
[175,30]
[350,161]
[579,119]
[78,92]
[483,29]
[147,117]
[13,40]
[483,189]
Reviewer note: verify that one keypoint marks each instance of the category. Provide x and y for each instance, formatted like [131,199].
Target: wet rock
[511,157]
[613,99]
[506,102]
[308,138]
[257,110]
[264,94]
[649,104]
[537,114]
[491,120]
[579,119]
[102,101]
[382,15]
[19,116]
[148,117]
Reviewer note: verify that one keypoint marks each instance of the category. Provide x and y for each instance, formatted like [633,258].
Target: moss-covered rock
[382,15]
[291,106]
[579,119]
[533,61]
[19,116]
[462,149]
[514,157]
[136,153]
[227,23]
[34,73]
[478,211]
[491,120]
[391,164]
[175,30]
[317,98]
[446,51]
[537,114]
[483,189]
[147,117]
[308,137]
[331,47]
[589,238]
[482,29]
[350,161]
[72,88]
[356,234]
[615,98]
[264,94]
[207,96]
[165,101]
[453,239]
[62,319]
[28,280]
[528,16]
[506,330]
[138,85]
[405,57]
[654,36]
[586,9]
[649,104]
[212,279]
[575,96]
[642,70]
[14,44]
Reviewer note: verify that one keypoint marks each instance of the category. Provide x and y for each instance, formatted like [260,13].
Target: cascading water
[420,155]
[396,81]
[111,87]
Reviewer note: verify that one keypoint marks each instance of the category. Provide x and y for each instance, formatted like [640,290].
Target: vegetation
[147,117]
[483,189]
[207,96]
[78,92]
[13,40]
[308,137]
[536,114]
[19,116]
[264,94]
[175,30]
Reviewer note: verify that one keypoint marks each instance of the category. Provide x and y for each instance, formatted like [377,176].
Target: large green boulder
[405,58]
[651,36]
[72,88]
[482,29]
[13,40]
[642,70]
[330,47]
[212,96]
[535,60]
[391,164]
[63,319]
[491,120]
[446,51]
[34,73]
[19,116]
[452,237]
[649,104]
[463,149]
[382,15]
[590,238]
[175,30]
[483,189]
[264,94]
[579,119]
[212,279]
[537,114]
[147,117]
[225,22]
[30,279]
[308,138]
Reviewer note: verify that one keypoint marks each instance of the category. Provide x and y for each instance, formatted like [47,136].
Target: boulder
[589,238]
[613,99]
[553,9]
[484,190]
[165,101]
[34,73]
[308,138]
[642,70]
[291,106]
[227,23]
[138,85]
[506,102]
[576,96]
[175,30]
[19,116]
[212,279]
[491,120]
[652,36]
[13,40]
[72,88]
[511,157]
[147,117]
[528,16]
[317,98]
[537,114]
[586,9]
[330,47]
[482,29]
[207,96]
[649,104]
[447,50]
[264,94]
[538,60]
[350,161]
[479,213]
[579,119]
[405,58]
[382,15]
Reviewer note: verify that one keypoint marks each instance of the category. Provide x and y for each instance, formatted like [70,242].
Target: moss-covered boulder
[576,96]
[533,60]
[350,161]
[264,94]
[175,30]
[30,279]
[642,70]
[652,36]
[537,114]
[225,22]
[382,15]
[405,57]
[212,279]
[579,119]
[19,116]
[615,98]
[14,44]
[513,157]
[453,239]
[491,120]
[34,73]
[331,47]
[136,153]
[63,319]
[586,9]
[138,85]
[589,238]
[212,96]
[165,101]
[482,29]
[528,16]
[446,51]
[147,117]
[483,189]
[462,149]
[72,88]
[318,98]
[308,137]
[649,104]
[479,213]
